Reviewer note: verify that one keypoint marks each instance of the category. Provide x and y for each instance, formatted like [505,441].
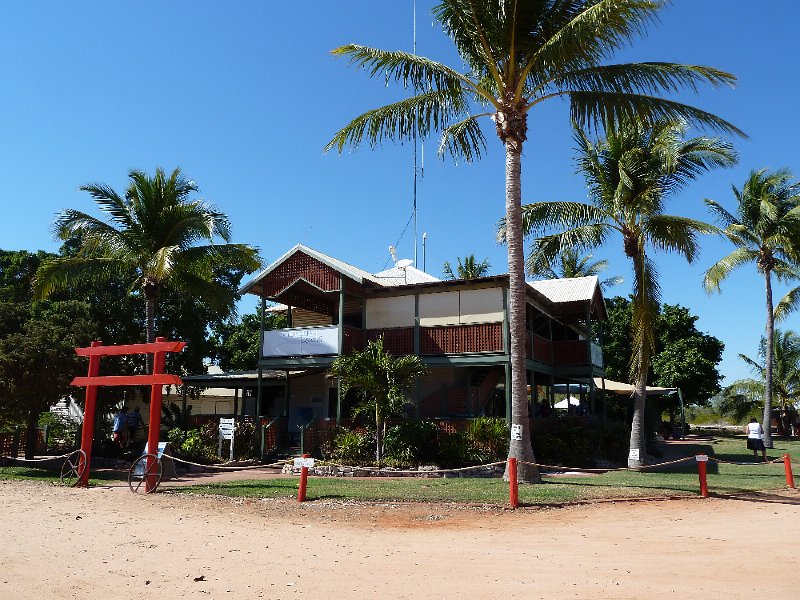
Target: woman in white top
[755,441]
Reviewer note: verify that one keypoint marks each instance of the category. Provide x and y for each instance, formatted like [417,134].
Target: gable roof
[573,289]
[354,273]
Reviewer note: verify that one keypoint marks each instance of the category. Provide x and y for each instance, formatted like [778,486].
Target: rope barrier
[606,470]
[222,467]
[34,460]
[747,464]
[408,472]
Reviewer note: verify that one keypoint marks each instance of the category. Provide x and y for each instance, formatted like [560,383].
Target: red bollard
[513,483]
[301,491]
[787,466]
[702,461]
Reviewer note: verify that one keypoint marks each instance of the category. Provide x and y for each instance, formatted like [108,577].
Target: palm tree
[382,379]
[570,263]
[468,269]
[766,232]
[744,396]
[630,174]
[516,55]
[151,236]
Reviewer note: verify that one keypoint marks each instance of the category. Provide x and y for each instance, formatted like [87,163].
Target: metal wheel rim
[136,480]
[72,469]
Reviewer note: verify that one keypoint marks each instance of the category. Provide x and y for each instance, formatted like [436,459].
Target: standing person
[134,422]
[120,429]
[755,439]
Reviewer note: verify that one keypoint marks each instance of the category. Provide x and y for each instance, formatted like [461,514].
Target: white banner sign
[299,463]
[308,341]
[701,457]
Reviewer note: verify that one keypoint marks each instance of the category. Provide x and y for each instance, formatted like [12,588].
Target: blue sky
[243,96]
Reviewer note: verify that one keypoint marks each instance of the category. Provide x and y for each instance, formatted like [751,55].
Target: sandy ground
[108,543]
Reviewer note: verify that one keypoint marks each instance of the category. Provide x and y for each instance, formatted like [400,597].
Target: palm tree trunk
[378,436]
[767,422]
[150,322]
[637,454]
[520,446]
[638,441]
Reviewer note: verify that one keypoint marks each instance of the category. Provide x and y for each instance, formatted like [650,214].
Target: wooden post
[787,467]
[702,461]
[89,411]
[301,491]
[513,483]
[154,431]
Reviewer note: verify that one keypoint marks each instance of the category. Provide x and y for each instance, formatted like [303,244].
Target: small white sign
[633,454]
[303,462]
[516,432]
[701,457]
[226,428]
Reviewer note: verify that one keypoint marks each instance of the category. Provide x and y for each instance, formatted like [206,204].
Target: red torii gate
[157,380]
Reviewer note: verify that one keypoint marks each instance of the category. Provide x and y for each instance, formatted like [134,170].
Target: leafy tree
[17,270]
[150,239]
[684,357]
[37,360]
[515,56]
[236,345]
[569,263]
[744,397]
[381,379]
[766,232]
[630,174]
[468,269]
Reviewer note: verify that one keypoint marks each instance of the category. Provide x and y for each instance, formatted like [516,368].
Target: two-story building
[458,327]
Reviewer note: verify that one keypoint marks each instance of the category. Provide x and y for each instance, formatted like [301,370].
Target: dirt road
[110,544]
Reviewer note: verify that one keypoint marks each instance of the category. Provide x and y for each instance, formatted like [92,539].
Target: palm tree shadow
[766,498]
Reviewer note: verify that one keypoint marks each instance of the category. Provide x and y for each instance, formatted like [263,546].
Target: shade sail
[617,387]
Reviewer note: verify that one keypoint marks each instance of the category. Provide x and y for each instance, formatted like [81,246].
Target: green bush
[410,442]
[577,442]
[354,448]
[488,437]
[191,445]
[455,450]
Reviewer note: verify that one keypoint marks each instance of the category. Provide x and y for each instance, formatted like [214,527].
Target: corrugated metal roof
[403,276]
[573,289]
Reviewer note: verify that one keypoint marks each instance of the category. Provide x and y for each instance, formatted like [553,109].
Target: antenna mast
[416,121]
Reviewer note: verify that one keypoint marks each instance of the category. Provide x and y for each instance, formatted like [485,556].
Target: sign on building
[306,341]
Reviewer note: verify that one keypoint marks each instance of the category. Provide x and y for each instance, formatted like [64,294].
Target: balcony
[448,339]
[311,341]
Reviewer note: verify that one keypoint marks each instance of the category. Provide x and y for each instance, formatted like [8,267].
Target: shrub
[455,450]
[577,442]
[191,445]
[410,442]
[488,437]
[353,448]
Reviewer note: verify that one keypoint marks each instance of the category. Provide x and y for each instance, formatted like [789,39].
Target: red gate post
[787,466]
[89,411]
[702,461]
[154,424]
[301,490]
[513,483]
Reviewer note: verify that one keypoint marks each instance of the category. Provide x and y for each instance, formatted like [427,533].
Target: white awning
[617,387]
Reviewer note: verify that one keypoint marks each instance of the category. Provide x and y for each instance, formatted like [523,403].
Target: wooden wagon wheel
[140,472]
[72,469]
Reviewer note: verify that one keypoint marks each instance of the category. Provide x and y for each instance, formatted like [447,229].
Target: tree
[37,359]
[684,357]
[468,269]
[630,174]
[236,345]
[382,380]
[150,238]
[517,55]
[569,263]
[745,396]
[766,232]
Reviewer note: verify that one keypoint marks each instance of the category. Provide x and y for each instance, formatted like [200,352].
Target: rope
[747,464]
[221,467]
[411,472]
[34,460]
[587,470]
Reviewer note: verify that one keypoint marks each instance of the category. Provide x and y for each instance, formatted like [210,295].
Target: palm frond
[676,234]
[463,139]
[788,304]
[593,109]
[723,267]
[402,121]
[60,273]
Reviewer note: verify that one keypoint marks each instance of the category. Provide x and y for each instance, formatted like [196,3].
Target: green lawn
[722,479]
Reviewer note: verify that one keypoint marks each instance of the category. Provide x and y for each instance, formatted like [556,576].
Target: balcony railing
[461,339]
